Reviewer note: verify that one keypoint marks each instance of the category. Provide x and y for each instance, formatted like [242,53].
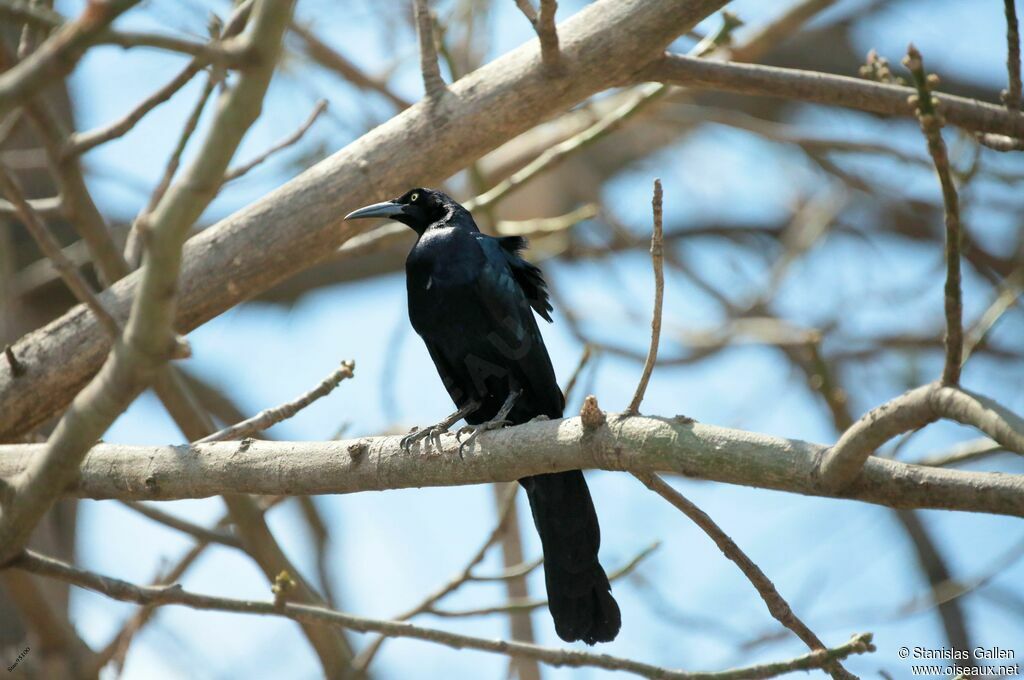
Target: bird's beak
[385,209]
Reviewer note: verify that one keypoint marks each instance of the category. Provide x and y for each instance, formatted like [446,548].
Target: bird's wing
[526,274]
[515,337]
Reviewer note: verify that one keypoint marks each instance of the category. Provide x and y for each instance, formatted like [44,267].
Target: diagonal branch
[777,605]
[235,173]
[271,416]
[51,248]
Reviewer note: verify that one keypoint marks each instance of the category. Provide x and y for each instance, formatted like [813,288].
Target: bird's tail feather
[579,595]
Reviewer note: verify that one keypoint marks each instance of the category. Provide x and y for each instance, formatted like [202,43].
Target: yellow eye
[415,197]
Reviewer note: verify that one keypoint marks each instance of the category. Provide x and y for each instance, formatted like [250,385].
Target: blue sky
[845,567]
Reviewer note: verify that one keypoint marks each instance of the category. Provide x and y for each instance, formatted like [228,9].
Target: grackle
[472,299]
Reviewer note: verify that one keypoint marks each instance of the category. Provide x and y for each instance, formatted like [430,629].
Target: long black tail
[579,595]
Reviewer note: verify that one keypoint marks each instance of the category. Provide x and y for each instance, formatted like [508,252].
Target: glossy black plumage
[472,299]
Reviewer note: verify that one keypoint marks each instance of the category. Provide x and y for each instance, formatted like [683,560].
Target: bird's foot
[434,432]
[496,423]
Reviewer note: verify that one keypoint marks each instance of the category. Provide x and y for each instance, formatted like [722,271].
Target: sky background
[845,567]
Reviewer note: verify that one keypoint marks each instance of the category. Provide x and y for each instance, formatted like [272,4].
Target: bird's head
[417,208]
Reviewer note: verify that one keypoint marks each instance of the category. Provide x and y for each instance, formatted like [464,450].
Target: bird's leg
[435,431]
[495,423]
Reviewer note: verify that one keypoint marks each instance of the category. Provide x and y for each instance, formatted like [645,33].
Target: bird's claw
[475,431]
[434,432]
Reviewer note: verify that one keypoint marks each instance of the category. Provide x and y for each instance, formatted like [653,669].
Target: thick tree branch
[638,444]
[300,223]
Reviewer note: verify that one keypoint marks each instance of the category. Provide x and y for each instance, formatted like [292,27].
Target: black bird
[470,299]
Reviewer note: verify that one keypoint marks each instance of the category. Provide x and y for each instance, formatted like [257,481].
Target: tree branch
[777,605]
[910,411]
[433,83]
[657,260]
[931,125]
[271,416]
[820,88]
[149,595]
[58,55]
[639,444]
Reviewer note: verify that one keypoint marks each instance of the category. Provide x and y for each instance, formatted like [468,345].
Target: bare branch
[526,604]
[271,416]
[777,606]
[433,83]
[547,33]
[133,244]
[163,595]
[330,59]
[58,55]
[639,444]
[1012,94]
[820,88]
[931,125]
[657,259]
[81,142]
[910,411]
[555,154]
[235,173]
[196,531]
[505,508]
[50,247]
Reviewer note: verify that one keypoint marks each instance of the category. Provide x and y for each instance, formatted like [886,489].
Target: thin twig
[777,606]
[51,248]
[527,604]
[657,260]
[588,352]
[1012,94]
[198,532]
[1009,292]
[931,125]
[505,507]
[271,416]
[235,173]
[331,59]
[80,142]
[133,242]
[164,595]
[433,83]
